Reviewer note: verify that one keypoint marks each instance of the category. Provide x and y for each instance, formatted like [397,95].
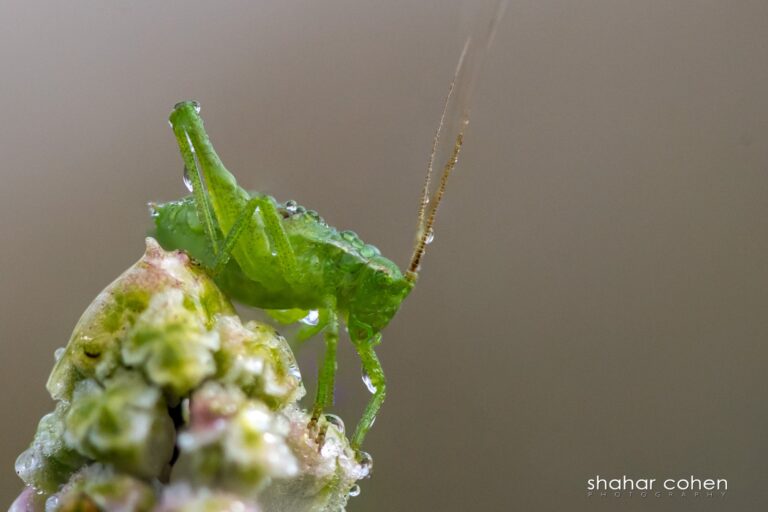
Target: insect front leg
[373,374]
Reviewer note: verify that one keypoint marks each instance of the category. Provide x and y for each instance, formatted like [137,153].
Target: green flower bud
[94,350]
[170,341]
[98,487]
[233,443]
[125,423]
[259,361]
[49,461]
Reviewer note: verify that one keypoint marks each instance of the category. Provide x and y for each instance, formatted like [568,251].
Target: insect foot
[167,401]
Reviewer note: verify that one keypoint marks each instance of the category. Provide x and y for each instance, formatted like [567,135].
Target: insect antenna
[456,105]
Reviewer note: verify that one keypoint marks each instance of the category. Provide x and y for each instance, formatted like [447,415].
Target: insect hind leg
[276,236]
[222,258]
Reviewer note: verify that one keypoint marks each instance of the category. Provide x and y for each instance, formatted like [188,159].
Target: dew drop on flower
[364,458]
[366,462]
[336,422]
[354,491]
[330,447]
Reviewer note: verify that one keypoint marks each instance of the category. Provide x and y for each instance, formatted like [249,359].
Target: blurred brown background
[595,299]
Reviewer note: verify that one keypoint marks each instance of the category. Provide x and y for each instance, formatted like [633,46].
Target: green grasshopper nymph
[285,259]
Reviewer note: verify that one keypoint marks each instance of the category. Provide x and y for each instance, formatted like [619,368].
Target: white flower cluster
[166,402]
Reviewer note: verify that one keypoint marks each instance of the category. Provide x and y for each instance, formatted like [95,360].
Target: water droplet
[368,383]
[312,317]
[349,236]
[52,503]
[195,105]
[153,212]
[366,463]
[336,422]
[313,214]
[187,180]
[300,209]
[194,222]
[430,236]
[293,370]
[58,353]
[369,251]
[354,491]
[191,146]
[330,447]
[291,206]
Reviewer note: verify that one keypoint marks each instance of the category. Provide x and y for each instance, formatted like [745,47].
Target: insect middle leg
[376,383]
[326,376]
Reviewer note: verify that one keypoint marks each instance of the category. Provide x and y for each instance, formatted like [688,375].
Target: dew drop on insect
[365,461]
[187,180]
[58,353]
[354,491]
[430,236]
[312,317]
[336,422]
[369,251]
[349,236]
[195,105]
[291,206]
[368,383]
[153,210]
[194,222]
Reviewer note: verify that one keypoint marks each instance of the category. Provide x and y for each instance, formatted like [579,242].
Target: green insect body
[285,259]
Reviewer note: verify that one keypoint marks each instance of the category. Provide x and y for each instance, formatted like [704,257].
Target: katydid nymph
[285,259]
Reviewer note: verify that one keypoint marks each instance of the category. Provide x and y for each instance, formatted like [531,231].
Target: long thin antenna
[457,100]
[428,179]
